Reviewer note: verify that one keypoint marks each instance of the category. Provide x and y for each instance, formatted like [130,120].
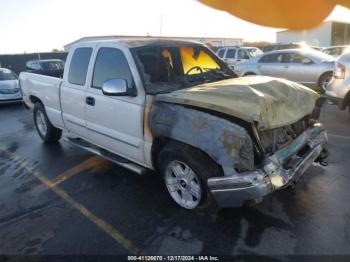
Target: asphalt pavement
[60,200]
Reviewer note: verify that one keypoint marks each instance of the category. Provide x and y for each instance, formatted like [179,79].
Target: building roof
[325,22]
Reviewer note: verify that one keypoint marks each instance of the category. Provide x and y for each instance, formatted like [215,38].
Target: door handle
[90,101]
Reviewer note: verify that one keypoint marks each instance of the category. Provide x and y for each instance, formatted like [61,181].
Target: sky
[43,25]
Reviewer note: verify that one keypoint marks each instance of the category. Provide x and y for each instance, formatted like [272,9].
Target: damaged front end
[254,162]
[263,132]
[287,160]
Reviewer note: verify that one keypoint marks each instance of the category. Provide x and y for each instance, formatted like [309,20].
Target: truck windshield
[167,69]
[6,74]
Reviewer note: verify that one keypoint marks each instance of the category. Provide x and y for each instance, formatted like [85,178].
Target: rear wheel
[47,132]
[323,82]
[185,171]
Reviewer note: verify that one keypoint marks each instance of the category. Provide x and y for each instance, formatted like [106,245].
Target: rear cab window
[79,66]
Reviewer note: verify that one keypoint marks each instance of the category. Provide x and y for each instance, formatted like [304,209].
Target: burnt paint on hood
[270,102]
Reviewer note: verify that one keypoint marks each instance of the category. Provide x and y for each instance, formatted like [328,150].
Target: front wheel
[47,132]
[185,171]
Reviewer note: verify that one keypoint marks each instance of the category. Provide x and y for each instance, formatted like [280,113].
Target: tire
[48,133]
[177,155]
[323,82]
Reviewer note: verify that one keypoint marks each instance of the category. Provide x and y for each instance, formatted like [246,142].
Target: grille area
[278,138]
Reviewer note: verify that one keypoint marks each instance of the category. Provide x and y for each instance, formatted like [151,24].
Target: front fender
[227,143]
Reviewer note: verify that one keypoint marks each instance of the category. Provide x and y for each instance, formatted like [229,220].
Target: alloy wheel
[183,184]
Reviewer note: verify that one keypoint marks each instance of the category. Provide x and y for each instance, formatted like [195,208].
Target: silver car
[338,90]
[305,66]
[9,87]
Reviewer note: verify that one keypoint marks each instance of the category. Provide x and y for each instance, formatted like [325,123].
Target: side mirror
[115,87]
[306,61]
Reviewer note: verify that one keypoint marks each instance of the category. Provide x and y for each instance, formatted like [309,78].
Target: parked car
[232,55]
[338,90]
[49,67]
[305,66]
[176,108]
[9,89]
[336,51]
[282,46]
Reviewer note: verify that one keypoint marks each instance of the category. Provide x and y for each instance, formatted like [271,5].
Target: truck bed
[47,90]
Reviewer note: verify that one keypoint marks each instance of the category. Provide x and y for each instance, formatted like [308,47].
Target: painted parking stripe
[100,223]
[94,164]
[339,136]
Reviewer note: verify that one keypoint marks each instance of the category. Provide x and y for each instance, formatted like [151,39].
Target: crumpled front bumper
[283,168]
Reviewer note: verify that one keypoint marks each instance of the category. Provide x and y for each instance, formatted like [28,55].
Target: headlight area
[246,156]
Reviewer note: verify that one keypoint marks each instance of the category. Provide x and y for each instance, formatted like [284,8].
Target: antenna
[161,26]
[158,48]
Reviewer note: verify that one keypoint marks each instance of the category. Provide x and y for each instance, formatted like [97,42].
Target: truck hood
[270,102]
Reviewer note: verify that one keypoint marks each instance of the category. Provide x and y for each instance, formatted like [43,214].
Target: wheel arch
[322,75]
[161,141]
[35,99]
[346,101]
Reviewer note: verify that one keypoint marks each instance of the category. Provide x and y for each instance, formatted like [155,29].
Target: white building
[214,42]
[327,34]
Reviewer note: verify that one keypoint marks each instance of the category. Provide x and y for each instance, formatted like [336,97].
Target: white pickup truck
[176,108]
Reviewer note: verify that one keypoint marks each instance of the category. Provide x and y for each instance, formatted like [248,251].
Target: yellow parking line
[100,223]
[95,164]
[339,136]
